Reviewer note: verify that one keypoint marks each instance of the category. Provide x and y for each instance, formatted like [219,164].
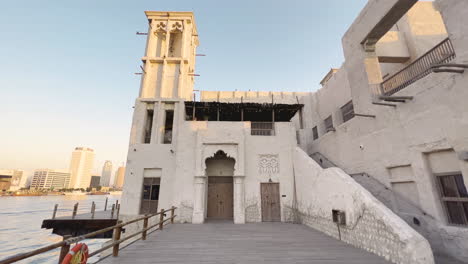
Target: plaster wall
[435,121]
[183,167]
[369,224]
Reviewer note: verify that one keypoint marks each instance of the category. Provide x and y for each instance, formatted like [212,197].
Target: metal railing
[116,240]
[262,129]
[441,53]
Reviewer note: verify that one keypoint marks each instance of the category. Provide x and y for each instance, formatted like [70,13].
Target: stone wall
[369,224]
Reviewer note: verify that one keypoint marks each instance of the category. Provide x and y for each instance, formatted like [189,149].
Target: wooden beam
[386,97]
[384,104]
[396,12]
[364,115]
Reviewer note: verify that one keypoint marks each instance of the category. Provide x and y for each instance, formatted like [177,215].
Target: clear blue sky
[67,66]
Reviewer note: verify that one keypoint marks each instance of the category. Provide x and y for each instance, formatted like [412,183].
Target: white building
[393,118]
[11,180]
[50,179]
[106,173]
[119,177]
[81,165]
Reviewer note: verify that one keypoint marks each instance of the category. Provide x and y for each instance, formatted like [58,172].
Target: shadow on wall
[367,223]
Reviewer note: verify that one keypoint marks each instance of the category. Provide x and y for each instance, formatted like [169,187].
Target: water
[21,219]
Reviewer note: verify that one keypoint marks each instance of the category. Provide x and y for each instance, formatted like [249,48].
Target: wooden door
[150,196]
[270,202]
[220,197]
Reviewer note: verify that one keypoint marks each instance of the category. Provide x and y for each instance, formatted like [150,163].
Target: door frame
[225,180]
[279,201]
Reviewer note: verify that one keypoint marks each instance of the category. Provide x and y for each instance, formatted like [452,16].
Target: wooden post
[75,209]
[118,210]
[64,249]
[115,237]
[55,211]
[112,212]
[193,111]
[105,205]
[161,219]
[93,209]
[172,214]
[145,225]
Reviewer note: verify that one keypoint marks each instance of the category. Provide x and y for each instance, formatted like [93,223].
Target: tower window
[175,44]
[148,126]
[168,127]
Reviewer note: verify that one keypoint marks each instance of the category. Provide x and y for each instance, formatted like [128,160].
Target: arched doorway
[220,172]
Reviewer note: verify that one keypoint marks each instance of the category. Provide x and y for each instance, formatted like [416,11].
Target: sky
[67,67]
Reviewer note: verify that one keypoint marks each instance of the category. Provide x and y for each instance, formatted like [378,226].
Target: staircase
[419,220]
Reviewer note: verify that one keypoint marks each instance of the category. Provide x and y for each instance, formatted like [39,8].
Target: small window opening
[148,126]
[455,197]
[168,127]
[329,124]
[347,111]
[315,133]
[262,129]
[175,44]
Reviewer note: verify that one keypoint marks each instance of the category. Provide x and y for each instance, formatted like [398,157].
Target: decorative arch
[211,150]
[223,157]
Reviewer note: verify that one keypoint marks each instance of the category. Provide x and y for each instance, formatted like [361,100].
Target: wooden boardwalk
[250,243]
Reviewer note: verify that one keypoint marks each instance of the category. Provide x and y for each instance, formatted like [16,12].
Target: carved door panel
[271,209]
[220,198]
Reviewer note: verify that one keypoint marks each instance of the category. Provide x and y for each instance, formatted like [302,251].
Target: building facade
[81,165]
[10,180]
[95,181]
[50,179]
[119,177]
[392,118]
[106,173]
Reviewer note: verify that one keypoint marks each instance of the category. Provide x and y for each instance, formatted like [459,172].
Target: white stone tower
[169,61]
[167,81]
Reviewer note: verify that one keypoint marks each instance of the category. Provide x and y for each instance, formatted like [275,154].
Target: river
[21,219]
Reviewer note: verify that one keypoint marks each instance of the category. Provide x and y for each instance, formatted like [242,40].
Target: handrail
[65,244]
[441,53]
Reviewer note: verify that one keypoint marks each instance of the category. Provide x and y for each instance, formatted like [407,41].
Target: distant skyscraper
[50,179]
[81,165]
[95,180]
[106,173]
[10,179]
[119,177]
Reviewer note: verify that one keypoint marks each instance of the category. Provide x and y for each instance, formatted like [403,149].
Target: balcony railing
[442,53]
[262,129]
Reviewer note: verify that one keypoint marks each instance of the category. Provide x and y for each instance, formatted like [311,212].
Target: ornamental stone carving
[176,27]
[268,164]
[160,27]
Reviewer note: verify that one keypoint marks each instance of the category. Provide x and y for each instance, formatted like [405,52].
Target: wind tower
[167,82]
[169,61]
[167,78]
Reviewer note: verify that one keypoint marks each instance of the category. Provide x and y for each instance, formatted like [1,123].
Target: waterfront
[21,219]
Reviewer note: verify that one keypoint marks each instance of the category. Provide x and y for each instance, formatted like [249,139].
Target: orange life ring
[77,255]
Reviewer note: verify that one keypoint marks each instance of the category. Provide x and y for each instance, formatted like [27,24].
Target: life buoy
[77,255]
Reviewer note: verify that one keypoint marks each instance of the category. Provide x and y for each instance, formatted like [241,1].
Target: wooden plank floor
[249,243]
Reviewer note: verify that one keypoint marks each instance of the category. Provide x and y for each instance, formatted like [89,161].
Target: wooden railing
[441,53]
[116,240]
